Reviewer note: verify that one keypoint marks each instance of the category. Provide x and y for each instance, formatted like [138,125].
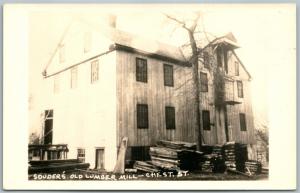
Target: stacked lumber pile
[51,166]
[252,167]
[235,155]
[214,161]
[265,170]
[145,166]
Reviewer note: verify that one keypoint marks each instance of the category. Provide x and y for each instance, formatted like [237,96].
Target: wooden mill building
[103,84]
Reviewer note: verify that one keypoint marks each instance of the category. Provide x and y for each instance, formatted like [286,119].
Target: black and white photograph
[159,92]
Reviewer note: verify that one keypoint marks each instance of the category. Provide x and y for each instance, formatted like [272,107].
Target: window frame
[206,59]
[243,122]
[168,75]
[94,69]
[203,82]
[141,72]
[142,116]
[236,68]
[206,120]
[240,88]
[81,155]
[170,117]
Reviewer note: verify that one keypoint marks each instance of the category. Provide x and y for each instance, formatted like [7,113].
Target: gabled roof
[228,39]
[127,40]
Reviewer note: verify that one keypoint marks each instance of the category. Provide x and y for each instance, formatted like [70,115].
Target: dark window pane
[141,70]
[168,75]
[204,82]
[170,117]
[240,89]
[206,59]
[225,60]
[219,57]
[206,120]
[142,116]
[243,125]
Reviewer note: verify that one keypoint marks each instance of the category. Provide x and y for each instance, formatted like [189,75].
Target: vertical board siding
[157,96]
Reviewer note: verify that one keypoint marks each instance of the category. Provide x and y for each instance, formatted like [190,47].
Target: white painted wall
[85,116]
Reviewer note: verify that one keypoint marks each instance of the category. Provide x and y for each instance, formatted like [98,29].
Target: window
[204,82]
[237,70]
[206,120]
[142,116]
[225,60]
[62,53]
[206,59]
[141,70]
[219,57]
[240,89]
[56,84]
[94,71]
[243,125]
[74,77]
[168,75]
[170,117]
[87,41]
[81,154]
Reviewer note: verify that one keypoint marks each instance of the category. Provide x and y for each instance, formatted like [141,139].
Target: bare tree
[190,27]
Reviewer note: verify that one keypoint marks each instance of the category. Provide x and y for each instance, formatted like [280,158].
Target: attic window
[206,59]
[62,53]
[237,70]
[240,89]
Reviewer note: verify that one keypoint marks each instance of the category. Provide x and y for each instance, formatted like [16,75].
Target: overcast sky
[264,32]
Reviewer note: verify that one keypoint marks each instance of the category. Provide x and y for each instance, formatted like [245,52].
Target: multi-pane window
[141,70]
[206,120]
[142,116]
[87,41]
[62,53]
[168,75]
[94,71]
[170,117]
[206,59]
[240,89]
[81,154]
[237,68]
[203,82]
[243,124]
[74,77]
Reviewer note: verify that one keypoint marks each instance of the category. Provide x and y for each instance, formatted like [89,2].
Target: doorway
[99,159]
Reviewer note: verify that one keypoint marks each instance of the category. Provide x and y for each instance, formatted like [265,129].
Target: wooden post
[120,165]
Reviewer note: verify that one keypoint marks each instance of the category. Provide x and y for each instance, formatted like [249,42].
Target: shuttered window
[204,82]
[170,117]
[243,124]
[141,70]
[206,120]
[206,59]
[168,75]
[240,89]
[142,116]
[94,71]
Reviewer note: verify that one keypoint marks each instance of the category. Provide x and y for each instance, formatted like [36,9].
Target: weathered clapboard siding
[216,134]
[157,96]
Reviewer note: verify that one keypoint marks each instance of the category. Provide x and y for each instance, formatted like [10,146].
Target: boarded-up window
[240,89]
[204,82]
[56,87]
[81,154]
[237,68]
[243,124]
[142,116]
[87,41]
[206,120]
[62,53]
[74,77]
[94,71]
[170,117]
[168,75]
[206,59]
[141,70]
